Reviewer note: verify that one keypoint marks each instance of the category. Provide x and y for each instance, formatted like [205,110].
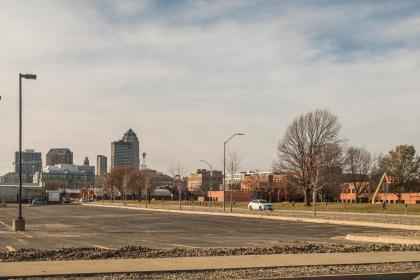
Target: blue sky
[185,75]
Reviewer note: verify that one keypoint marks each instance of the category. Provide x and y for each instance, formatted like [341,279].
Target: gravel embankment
[263,273]
[131,252]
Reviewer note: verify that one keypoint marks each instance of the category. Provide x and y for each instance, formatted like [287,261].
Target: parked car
[66,199]
[39,201]
[260,204]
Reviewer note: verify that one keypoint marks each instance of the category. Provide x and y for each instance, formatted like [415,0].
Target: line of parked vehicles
[64,200]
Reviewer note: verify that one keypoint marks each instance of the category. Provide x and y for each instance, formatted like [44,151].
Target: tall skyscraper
[101,165]
[31,163]
[125,152]
[59,156]
[131,137]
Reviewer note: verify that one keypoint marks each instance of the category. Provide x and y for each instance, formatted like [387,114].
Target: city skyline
[186,75]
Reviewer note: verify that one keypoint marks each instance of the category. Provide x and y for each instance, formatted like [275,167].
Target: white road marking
[10,249]
[101,247]
[24,234]
[19,232]
[180,245]
[6,225]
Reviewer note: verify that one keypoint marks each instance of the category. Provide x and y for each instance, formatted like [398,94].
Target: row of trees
[128,180]
[315,155]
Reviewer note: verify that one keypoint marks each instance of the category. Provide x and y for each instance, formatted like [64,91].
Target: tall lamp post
[211,174]
[224,168]
[177,183]
[19,223]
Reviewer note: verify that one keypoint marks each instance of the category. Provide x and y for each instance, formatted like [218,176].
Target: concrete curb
[277,218]
[85,267]
[383,239]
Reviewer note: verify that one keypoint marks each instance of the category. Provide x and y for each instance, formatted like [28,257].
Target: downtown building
[59,156]
[126,152]
[101,165]
[67,178]
[31,163]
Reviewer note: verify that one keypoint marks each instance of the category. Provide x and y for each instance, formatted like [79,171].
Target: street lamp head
[28,76]
[240,133]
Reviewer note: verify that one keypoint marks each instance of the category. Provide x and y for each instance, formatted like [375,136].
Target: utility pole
[179,189]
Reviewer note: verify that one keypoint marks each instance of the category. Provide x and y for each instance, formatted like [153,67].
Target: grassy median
[334,207]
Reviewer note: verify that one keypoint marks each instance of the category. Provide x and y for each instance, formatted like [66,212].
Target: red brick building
[268,186]
[348,195]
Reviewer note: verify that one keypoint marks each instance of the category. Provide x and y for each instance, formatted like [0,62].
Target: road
[56,226]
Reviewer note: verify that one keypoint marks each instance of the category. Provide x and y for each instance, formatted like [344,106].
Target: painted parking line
[24,234]
[18,232]
[10,249]
[6,225]
[101,247]
[185,246]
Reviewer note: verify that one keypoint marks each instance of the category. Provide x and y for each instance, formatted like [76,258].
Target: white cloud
[186,87]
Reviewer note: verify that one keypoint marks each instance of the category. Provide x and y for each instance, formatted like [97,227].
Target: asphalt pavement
[56,226]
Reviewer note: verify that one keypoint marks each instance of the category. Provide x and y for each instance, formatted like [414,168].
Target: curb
[383,239]
[276,218]
[181,264]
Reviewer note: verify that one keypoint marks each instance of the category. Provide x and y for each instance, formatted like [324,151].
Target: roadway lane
[56,226]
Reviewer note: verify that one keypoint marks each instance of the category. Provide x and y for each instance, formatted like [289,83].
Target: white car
[260,204]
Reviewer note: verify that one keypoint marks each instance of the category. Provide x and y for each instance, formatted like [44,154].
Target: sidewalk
[44,268]
[271,217]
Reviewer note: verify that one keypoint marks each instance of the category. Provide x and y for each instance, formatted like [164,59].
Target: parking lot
[56,226]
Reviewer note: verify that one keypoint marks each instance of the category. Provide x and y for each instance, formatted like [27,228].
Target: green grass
[334,207]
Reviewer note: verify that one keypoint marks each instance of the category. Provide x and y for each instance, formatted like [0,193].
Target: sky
[186,75]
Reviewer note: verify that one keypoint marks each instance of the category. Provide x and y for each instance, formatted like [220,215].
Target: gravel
[131,252]
[262,273]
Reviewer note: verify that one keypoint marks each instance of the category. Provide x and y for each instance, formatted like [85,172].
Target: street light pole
[177,183]
[211,174]
[224,168]
[19,223]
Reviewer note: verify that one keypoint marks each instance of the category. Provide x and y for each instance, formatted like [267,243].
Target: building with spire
[86,161]
[126,152]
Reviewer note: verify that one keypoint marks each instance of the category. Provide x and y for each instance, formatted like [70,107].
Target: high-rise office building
[131,137]
[59,156]
[125,152]
[101,165]
[31,163]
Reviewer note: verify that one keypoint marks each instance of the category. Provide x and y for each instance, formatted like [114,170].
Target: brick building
[348,195]
[59,156]
[264,185]
[200,181]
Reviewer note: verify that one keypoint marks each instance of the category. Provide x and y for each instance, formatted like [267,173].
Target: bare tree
[119,180]
[310,150]
[178,170]
[358,164]
[148,182]
[136,183]
[233,165]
